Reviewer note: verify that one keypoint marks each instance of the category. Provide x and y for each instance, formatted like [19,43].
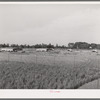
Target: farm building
[44,49]
[69,50]
[17,49]
[6,49]
[41,49]
[10,49]
[50,49]
[95,50]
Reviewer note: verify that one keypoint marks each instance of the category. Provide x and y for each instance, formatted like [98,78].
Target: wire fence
[81,60]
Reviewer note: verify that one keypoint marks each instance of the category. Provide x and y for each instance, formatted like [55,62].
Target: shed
[7,49]
[41,50]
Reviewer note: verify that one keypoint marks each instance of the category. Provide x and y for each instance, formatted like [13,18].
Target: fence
[75,61]
[48,59]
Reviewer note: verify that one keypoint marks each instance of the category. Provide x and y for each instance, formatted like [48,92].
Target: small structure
[95,50]
[90,47]
[42,50]
[50,49]
[6,49]
[17,49]
[70,50]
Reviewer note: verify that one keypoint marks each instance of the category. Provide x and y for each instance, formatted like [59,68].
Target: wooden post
[8,56]
[98,68]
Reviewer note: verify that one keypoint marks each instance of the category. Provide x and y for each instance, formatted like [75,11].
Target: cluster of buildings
[10,49]
[16,49]
[44,49]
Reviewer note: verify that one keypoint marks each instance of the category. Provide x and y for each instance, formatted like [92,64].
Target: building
[70,50]
[41,49]
[95,50]
[6,49]
[17,49]
[45,49]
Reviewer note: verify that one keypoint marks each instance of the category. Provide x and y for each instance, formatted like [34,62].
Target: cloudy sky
[49,23]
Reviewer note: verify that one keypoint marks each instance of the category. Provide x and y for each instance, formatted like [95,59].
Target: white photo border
[50,93]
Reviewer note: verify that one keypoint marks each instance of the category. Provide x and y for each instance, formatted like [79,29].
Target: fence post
[36,60]
[98,68]
[8,57]
[21,57]
[54,59]
[74,73]
[74,61]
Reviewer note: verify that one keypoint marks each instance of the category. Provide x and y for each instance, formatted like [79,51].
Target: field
[59,69]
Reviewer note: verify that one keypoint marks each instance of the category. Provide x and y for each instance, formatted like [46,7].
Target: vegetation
[83,45]
[56,70]
[68,72]
[76,45]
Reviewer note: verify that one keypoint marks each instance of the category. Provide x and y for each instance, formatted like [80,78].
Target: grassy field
[48,70]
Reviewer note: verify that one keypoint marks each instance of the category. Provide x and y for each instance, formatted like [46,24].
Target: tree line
[83,45]
[28,46]
[76,45]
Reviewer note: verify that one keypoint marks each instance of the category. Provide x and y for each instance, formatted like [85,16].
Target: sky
[49,23]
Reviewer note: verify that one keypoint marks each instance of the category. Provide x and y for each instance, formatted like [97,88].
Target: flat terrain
[57,69]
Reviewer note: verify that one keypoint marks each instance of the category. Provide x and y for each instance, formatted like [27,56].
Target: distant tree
[7,45]
[37,46]
[50,45]
[44,45]
[57,46]
[98,46]
[14,45]
[81,45]
[70,45]
[93,45]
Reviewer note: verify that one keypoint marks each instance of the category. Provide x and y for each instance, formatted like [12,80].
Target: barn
[42,50]
[17,49]
[95,50]
[69,50]
[7,49]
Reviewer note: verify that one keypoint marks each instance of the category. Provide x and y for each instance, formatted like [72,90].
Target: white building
[69,50]
[6,49]
[41,49]
[95,50]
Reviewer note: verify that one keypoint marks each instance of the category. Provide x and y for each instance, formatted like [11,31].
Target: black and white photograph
[50,46]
